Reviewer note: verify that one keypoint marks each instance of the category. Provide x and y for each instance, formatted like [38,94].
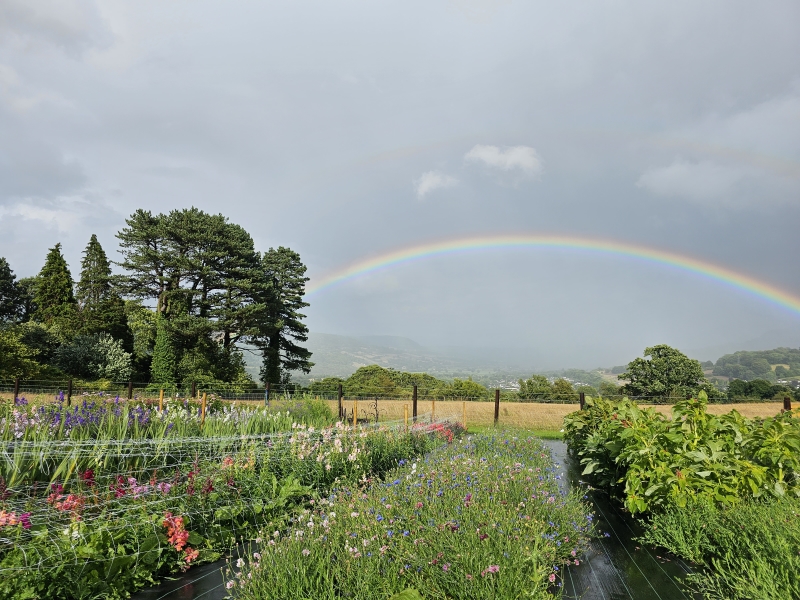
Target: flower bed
[103,533]
[480,518]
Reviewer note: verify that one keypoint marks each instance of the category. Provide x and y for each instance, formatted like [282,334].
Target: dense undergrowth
[720,491]
[480,518]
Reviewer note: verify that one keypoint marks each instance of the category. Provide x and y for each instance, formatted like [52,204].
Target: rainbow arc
[717,273]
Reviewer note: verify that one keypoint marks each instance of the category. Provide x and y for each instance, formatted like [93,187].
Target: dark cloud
[342,130]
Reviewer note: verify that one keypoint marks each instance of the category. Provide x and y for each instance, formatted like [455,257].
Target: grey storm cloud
[347,131]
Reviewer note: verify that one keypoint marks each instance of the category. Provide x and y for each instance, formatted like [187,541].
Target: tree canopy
[664,372]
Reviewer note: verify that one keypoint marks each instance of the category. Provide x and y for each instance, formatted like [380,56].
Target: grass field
[539,417]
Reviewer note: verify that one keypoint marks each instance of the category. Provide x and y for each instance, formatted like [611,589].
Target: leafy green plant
[650,461]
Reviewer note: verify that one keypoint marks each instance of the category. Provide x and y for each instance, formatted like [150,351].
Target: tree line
[662,374]
[193,295]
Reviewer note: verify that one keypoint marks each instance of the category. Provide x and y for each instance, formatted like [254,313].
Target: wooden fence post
[496,407]
[203,411]
[341,408]
[194,390]
[161,401]
[266,394]
[582,400]
[433,410]
[464,414]
[130,390]
[787,404]
[405,414]
[414,404]
[69,392]
[16,388]
[355,412]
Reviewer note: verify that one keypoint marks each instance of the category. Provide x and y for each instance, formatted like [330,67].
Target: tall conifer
[95,282]
[54,298]
[164,367]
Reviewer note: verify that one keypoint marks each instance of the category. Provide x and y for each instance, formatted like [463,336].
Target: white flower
[240,563]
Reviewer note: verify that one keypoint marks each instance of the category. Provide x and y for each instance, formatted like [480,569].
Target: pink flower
[446,567]
[552,577]
[493,568]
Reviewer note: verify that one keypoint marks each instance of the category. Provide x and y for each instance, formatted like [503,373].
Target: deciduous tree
[664,372]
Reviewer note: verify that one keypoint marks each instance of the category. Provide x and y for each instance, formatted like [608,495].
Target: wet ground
[616,567]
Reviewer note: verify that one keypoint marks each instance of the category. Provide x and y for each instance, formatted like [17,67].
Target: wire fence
[69,389]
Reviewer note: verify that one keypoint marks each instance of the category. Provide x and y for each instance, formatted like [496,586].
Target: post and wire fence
[354,404]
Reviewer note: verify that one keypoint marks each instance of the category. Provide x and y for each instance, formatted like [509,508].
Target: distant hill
[778,363]
[341,355]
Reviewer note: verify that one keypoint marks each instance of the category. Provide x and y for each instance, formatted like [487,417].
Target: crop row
[480,518]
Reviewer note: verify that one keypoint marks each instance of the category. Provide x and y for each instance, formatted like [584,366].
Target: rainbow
[733,279]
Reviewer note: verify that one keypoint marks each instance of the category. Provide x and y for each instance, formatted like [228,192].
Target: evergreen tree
[54,298]
[11,300]
[283,284]
[95,283]
[102,310]
[163,369]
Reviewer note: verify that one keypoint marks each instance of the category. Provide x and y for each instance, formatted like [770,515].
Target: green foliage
[757,389]
[97,356]
[281,326]
[16,359]
[11,299]
[461,389]
[54,298]
[668,373]
[563,391]
[164,364]
[374,381]
[213,291]
[650,461]
[538,388]
[749,550]
[749,365]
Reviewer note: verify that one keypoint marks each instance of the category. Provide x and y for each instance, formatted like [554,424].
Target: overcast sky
[348,129]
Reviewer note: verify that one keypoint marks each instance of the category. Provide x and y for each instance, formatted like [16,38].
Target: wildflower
[240,563]
[306,552]
[446,567]
[552,577]
[230,584]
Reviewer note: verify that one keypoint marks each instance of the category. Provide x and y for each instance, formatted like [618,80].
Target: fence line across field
[69,390]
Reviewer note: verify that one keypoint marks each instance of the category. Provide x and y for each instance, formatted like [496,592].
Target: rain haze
[348,130]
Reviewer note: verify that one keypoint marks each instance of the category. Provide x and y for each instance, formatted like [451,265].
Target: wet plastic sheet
[616,567]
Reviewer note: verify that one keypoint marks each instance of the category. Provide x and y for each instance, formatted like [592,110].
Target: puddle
[614,568]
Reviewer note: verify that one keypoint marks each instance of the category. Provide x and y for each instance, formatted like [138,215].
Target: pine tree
[11,301]
[163,369]
[54,298]
[102,310]
[95,283]
[284,286]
